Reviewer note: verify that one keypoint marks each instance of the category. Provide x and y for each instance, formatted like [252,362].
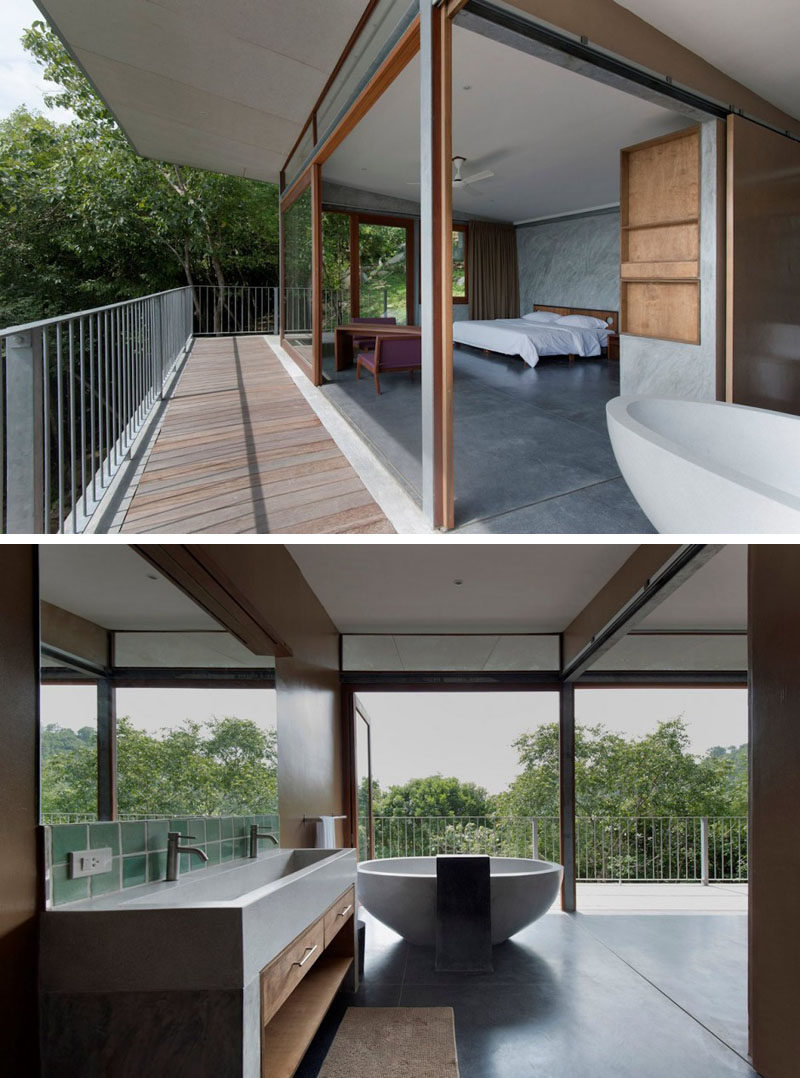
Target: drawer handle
[309,952]
[345,911]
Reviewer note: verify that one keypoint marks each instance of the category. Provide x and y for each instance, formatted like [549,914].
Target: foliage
[227,766]
[382,254]
[655,775]
[433,796]
[86,221]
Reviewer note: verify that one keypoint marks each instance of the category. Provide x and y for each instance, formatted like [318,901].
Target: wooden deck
[240,450]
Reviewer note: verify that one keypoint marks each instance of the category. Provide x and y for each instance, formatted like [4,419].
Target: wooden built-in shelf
[299,984]
[660,238]
[292,1028]
[661,224]
[660,271]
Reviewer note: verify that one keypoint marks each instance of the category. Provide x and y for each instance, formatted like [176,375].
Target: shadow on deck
[241,451]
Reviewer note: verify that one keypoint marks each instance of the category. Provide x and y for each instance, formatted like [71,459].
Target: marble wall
[570,262]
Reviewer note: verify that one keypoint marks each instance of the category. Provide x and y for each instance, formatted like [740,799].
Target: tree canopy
[434,795]
[87,221]
[655,775]
[227,766]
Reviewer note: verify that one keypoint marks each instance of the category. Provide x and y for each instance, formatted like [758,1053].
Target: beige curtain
[492,270]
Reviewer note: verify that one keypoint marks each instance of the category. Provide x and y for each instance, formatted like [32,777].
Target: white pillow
[582,321]
[541,316]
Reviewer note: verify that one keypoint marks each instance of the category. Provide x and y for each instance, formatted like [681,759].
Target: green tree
[655,775]
[433,796]
[227,766]
[86,221]
[429,802]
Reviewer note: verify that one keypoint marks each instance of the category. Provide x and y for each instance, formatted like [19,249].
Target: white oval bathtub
[401,892]
[696,466]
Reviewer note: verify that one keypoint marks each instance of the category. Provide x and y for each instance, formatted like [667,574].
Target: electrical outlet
[89,862]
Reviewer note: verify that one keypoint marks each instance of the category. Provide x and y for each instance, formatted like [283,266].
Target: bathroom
[182,962]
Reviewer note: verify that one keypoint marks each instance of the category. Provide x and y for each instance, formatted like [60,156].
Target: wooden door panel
[763,271]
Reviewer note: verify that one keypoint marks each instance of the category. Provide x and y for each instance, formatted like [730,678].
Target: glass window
[460,292]
[383,260]
[298,269]
[196,752]
[69,753]
[382,29]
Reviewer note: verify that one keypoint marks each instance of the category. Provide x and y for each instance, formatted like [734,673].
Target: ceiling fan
[459,179]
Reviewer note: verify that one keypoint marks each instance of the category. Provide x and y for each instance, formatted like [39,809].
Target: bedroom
[536,224]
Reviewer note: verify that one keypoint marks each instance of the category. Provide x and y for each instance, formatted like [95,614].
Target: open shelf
[291,1029]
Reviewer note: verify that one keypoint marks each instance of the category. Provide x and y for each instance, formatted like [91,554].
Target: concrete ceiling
[551,136]
[112,586]
[512,588]
[224,86]
[753,42]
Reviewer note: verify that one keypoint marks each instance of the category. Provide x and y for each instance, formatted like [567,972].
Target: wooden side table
[612,346]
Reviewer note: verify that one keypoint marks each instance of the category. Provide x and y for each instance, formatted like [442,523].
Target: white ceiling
[409,588]
[112,586]
[755,43]
[220,85]
[512,588]
[715,597]
[551,136]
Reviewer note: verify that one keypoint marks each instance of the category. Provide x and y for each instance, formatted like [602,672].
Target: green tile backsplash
[139,850]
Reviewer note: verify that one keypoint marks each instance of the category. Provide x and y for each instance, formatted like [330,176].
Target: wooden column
[436,257]
[21,881]
[566,786]
[774,827]
[316,273]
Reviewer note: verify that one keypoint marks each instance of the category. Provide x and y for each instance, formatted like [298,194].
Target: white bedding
[531,340]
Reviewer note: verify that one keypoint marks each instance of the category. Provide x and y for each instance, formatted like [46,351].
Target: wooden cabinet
[339,914]
[612,346]
[660,238]
[298,986]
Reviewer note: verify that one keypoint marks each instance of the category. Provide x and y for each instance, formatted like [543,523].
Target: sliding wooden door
[763,278]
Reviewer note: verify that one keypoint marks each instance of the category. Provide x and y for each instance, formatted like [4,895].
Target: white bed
[530,340]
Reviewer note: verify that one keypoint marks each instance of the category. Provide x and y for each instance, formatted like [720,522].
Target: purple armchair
[391,354]
[368,343]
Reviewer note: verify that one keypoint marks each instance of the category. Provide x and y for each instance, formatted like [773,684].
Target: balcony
[618,849]
[168,413]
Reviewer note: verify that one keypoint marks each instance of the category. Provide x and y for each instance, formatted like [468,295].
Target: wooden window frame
[356,219]
[310,177]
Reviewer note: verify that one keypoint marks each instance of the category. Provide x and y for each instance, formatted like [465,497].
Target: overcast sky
[469,735]
[21,81]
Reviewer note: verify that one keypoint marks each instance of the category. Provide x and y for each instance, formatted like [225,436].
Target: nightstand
[612,346]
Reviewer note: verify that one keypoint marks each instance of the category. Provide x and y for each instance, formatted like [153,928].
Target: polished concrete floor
[588,995]
[532,453]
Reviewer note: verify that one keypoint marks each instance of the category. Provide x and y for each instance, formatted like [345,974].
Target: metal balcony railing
[75,392]
[235,309]
[702,849]
[335,307]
